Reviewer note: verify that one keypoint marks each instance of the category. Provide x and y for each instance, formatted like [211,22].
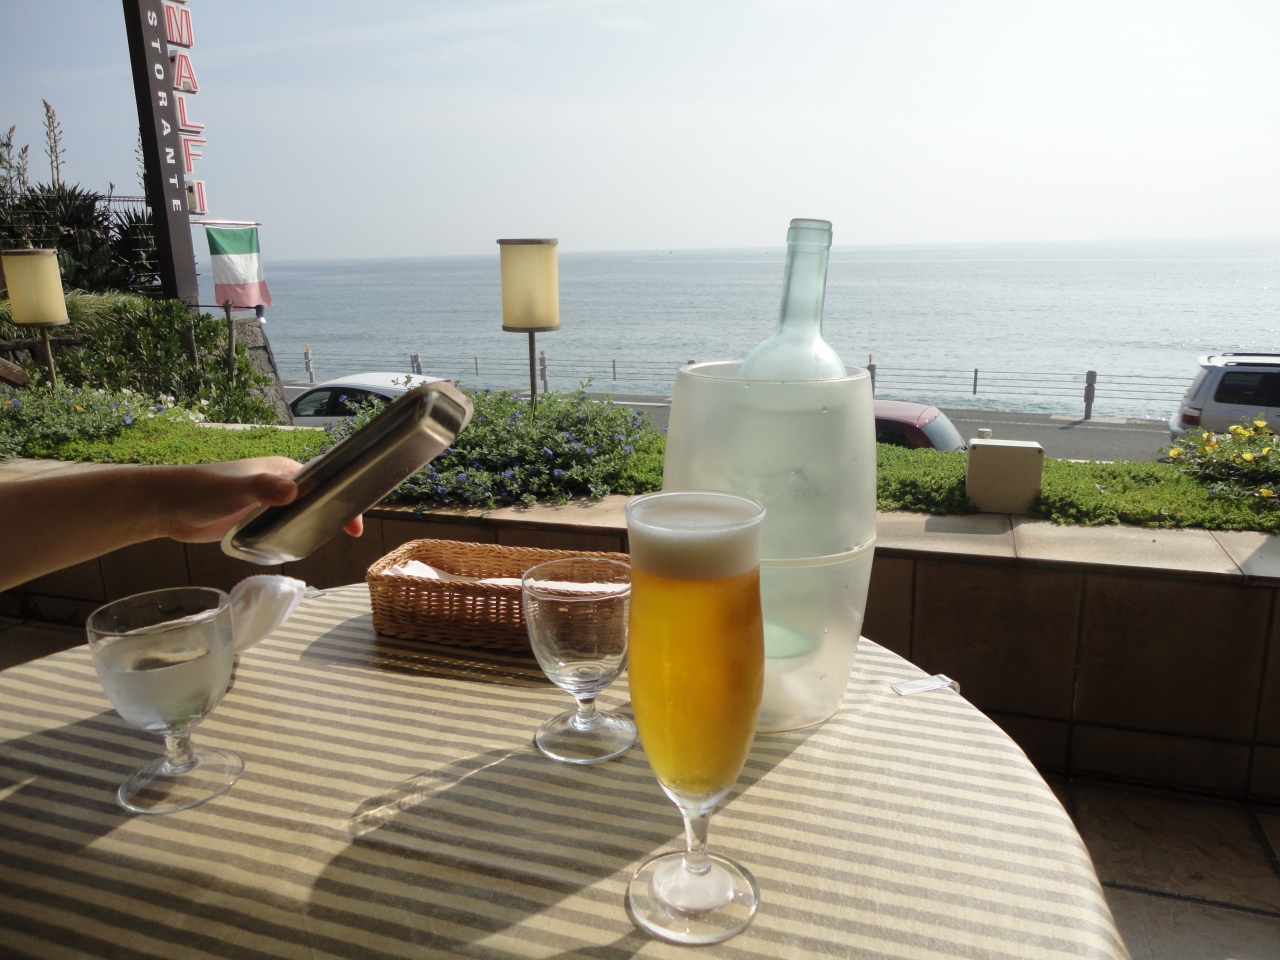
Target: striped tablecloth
[392,806]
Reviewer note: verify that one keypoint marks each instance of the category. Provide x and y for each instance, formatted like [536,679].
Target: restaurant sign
[161,35]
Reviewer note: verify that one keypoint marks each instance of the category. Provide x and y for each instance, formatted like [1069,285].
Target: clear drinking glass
[696,670]
[164,659]
[576,611]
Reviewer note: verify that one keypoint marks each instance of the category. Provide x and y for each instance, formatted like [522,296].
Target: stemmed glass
[696,669]
[576,612]
[164,659]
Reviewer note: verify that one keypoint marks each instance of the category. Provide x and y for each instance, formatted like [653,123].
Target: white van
[1228,388]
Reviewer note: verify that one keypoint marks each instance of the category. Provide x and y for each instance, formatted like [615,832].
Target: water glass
[576,611]
[164,659]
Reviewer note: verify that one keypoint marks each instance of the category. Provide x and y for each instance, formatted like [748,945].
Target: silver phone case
[359,471]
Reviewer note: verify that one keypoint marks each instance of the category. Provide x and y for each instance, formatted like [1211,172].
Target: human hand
[200,503]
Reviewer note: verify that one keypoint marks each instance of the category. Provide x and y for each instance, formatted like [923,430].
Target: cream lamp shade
[35,287]
[530,285]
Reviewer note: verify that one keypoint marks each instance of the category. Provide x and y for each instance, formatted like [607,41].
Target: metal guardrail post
[415,363]
[306,361]
[477,360]
[542,366]
[615,369]
[1090,382]
[975,381]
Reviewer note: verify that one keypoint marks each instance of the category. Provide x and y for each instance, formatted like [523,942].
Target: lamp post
[35,294]
[530,294]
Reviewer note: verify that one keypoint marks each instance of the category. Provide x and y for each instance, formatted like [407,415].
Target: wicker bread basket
[456,612]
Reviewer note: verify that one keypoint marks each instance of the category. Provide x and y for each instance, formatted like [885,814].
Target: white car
[333,400]
[1228,388]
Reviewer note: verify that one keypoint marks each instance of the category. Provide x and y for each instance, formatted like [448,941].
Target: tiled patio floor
[1188,878]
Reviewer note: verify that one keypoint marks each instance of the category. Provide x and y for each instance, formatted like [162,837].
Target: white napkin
[416,568]
[262,603]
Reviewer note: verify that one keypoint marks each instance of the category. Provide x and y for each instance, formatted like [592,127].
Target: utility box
[1004,475]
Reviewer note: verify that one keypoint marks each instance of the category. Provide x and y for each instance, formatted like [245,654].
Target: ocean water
[1030,318]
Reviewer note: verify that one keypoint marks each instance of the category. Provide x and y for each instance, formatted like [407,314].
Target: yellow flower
[1209,448]
[1259,424]
[1265,451]
[81,409]
[1175,452]
[1238,430]
[1248,457]
[1264,492]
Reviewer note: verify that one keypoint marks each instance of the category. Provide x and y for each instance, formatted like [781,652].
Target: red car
[904,424]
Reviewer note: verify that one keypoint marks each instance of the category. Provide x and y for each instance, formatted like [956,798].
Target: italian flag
[237,266]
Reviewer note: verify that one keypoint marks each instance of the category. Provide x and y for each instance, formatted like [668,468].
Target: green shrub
[142,345]
[927,481]
[84,310]
[37,423]
[1241,464]
[570,447]
[173,440]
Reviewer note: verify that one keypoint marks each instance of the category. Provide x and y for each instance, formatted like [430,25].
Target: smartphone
[337,487]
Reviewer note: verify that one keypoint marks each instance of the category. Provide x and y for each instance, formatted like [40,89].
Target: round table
[392,805]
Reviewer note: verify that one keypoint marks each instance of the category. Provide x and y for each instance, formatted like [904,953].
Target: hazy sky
[385,128]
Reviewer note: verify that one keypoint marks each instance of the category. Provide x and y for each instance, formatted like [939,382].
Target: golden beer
[697,675]
[696,664]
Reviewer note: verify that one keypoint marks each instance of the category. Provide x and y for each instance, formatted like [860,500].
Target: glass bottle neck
[804,290]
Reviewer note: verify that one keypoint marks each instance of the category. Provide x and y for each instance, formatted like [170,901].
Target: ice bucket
[806,450]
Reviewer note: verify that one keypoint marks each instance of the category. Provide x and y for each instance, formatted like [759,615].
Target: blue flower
[462,475]
[568,434]
[328,428]
[628,449]
[508,474]
[128,420]
[547,451]
[622,436]
[159,408]
[440,489]
[557,473]
[591,449]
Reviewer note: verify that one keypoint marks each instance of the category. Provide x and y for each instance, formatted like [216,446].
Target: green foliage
[1242,464]
[37,423]
[927,481]
[569,447]
[1142,493]
[84,310]
[100,247]
[142,345]
[175,440]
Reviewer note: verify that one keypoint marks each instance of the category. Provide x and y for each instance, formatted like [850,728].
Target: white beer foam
[694,536]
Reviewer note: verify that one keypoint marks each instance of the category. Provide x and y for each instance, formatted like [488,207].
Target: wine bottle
[796,351]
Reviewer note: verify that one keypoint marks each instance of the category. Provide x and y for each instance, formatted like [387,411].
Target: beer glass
[696,669]
[164,659]
[576,612]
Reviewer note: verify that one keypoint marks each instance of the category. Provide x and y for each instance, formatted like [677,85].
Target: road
[1068,437]
[1063,436]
